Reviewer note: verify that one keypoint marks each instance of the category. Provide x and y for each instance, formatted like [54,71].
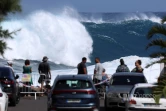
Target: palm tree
[160,89]
[159,42]
[7,7]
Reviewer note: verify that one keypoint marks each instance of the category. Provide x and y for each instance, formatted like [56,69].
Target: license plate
[151,105]
[73,101]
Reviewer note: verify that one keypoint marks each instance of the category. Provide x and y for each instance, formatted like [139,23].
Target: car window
[143,92]
[13,75]
[4,73]
[127,80]
[73,84]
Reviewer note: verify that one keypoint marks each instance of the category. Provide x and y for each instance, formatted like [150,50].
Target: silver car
[120,86]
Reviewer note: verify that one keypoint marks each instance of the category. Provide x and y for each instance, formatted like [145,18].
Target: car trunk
[76,96]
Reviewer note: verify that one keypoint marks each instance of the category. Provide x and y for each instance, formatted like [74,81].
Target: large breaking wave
[59,36]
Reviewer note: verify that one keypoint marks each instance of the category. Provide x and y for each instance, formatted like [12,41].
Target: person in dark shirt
[122,67]
[44,71]
[82,66]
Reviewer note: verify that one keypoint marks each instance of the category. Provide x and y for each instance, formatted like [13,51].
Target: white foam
[150,73]
[61,37]
[124,18]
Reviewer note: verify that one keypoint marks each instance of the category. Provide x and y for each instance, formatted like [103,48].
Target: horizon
[93,6]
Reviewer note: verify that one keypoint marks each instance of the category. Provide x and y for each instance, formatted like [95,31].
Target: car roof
[128,74]
[144,85]
[4,67]
[80,77]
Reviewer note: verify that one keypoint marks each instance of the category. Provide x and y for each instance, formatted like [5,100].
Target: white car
[141,98]
[3,100]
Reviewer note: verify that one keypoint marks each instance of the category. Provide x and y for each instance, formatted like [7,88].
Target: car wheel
[18,98]
[13,102]
[105,105]
[108,108]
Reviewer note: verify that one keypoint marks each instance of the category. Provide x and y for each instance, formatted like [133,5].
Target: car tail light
[56,92]
[1,94]
[132,101]
[91,92]
[9,82]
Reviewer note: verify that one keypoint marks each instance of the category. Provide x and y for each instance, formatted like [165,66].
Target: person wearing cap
[122,67]
[44,71]
[10,64]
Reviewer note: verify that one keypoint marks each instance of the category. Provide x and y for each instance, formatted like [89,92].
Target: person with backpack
[138,68]
[122,67]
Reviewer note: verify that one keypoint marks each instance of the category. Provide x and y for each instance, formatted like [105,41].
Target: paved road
[29,104]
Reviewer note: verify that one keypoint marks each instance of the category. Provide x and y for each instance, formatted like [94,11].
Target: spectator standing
[105,79]
[122,67]
[10,64]
[27,69]
[98,74]
[82,66]
[138,67]
[44,71]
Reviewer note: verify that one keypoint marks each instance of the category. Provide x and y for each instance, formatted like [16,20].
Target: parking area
[30,104]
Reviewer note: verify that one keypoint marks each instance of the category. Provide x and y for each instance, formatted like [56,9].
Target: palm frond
[157,29]
[163,20]
[156,62]
[157,42]
[158,54]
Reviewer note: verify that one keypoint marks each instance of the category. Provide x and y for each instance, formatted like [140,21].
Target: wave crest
[119,18]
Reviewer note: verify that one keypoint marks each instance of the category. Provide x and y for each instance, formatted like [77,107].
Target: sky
[96,5]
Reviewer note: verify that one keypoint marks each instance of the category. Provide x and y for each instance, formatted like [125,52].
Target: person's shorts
[42,78]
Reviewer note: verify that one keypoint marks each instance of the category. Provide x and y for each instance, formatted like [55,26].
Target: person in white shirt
[98,74]
[10,64]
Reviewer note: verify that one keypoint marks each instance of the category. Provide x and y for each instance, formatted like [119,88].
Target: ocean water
[67,36]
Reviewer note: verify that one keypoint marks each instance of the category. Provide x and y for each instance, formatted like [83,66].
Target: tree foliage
[7,7]
[159,29]
[160,88]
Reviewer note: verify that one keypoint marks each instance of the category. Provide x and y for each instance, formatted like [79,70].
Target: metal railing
[30,89]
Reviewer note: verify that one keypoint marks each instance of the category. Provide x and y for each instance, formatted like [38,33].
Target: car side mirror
[17,76]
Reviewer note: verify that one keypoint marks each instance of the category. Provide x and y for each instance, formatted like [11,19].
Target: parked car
[120,86]
[3,100]
[141,98]
[73,92]
[10,85]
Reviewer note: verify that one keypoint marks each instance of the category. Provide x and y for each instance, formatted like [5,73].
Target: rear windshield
[143,92]
[73,84]
[4,72]
[127,80]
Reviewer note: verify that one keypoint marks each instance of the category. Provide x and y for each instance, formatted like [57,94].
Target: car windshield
[4,72]
[73,84]
[127,80]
